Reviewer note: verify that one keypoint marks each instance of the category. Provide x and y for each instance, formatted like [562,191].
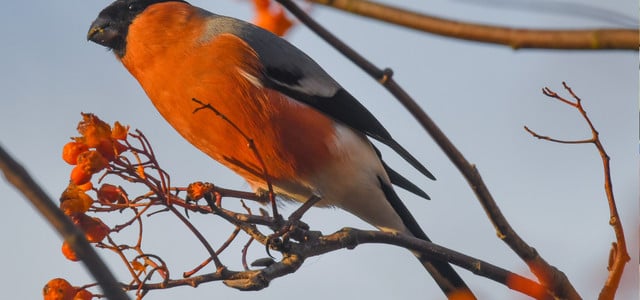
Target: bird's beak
[101,32]
[93,31]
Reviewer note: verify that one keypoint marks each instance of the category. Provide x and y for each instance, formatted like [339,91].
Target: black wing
[293,73]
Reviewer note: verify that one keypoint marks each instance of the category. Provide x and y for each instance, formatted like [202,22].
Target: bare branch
[619,255]
[516,38]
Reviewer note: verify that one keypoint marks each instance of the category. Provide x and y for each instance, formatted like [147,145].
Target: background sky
[481,96]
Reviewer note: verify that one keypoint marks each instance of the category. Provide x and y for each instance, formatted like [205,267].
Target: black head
[111,26]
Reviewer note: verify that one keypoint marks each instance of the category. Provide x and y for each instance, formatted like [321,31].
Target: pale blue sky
[480,95]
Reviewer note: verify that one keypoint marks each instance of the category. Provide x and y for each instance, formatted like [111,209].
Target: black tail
[398,179]
[443,273]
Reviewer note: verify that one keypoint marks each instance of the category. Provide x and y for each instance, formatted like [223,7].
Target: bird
[312,137]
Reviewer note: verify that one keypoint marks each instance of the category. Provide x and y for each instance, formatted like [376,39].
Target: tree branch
[516,38]
[550,277]
[312,243]
[315,244]
[619,256]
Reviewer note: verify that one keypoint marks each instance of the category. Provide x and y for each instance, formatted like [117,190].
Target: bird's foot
[292,227]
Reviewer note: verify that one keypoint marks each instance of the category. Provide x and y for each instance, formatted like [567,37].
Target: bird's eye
[134,6]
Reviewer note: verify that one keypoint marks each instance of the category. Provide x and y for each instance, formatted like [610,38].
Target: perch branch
[315,244]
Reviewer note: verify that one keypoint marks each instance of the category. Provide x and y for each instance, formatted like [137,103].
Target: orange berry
[88,163]
[110,149]
[93,228]
[274,20]
[68,252]
[74,200]
[58,289]
[80,175]
[93,161]
[97,233]
[109,193]
[107,149]
[119,132]
[197,190]
[74,206]
[93,130]
[85,187]
[83,295]
[71,150]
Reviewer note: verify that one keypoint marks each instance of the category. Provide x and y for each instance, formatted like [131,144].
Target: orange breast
[165,53]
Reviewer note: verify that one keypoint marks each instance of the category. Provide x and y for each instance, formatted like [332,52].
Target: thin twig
[199,236]
[224,246]
[119,251]
[619,254]
[252,146]
[245,249]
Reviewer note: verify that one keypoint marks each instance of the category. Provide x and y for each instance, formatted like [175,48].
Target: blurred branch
[553,279]
[619,256]
[20,178]
[516,38]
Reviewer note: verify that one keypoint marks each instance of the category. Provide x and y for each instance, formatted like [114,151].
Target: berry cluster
[91,152]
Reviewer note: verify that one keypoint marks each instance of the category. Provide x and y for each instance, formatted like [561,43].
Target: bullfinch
[310,133]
